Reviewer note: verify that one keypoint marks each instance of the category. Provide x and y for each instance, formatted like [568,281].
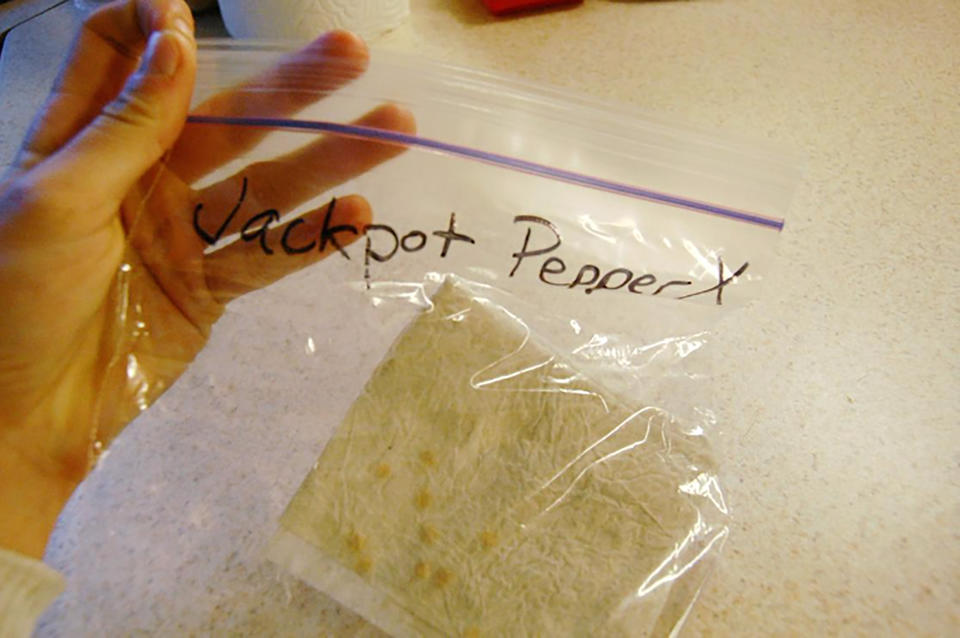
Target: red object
[501,7]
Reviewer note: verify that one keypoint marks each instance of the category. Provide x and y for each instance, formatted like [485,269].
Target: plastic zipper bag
[515,302]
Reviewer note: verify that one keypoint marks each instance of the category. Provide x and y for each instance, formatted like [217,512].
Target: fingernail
[163,54]
[184,27]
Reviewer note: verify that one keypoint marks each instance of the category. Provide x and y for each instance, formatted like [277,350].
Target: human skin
[96,214]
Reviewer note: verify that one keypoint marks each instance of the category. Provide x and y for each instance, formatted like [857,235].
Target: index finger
[298,80]
[104,53]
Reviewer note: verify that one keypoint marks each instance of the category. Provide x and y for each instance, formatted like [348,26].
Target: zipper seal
[496,159]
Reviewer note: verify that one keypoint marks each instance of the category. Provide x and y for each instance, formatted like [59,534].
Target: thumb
[107,158]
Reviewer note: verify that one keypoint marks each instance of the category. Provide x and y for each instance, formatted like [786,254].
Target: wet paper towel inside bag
[482,485]
[521,324]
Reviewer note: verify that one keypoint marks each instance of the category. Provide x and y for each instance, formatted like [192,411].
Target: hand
[107,292]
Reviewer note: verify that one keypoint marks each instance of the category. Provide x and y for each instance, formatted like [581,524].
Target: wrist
[31,499]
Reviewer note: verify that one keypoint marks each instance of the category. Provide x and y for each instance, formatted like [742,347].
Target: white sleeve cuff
[27,587]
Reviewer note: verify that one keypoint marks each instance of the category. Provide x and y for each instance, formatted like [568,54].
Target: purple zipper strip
[533,168]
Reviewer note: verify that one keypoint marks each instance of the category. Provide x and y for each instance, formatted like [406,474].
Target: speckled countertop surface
[840,401]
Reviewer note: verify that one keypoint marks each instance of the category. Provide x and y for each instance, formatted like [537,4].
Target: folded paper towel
[306,19]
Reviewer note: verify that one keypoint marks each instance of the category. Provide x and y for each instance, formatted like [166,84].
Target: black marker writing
[384,243]
[604,283]
[643,280]
[285,240]
[451,235]
[722,282]
[675,282]
[328,234]
[214,238]
[251,230]
[591,278]
[588,275]
[369,253]
[525,252]
[419,236]
[551,266]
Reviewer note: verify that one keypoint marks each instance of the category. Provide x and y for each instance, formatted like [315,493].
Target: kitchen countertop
[839,407]
[14,12]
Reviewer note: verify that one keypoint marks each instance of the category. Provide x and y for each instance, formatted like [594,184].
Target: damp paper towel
[306,19]
[479,486]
